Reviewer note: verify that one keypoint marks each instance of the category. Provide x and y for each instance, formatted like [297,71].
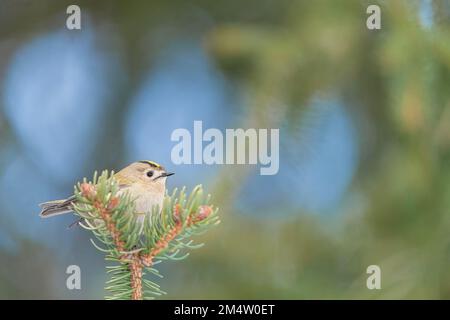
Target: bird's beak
[165,174]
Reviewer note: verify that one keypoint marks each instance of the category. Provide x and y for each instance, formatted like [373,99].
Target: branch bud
[88,190]
[203,212]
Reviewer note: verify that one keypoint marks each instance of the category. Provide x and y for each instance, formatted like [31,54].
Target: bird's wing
[123,181]
[56,207]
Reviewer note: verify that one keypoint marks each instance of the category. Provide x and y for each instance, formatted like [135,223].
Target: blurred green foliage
[394,80]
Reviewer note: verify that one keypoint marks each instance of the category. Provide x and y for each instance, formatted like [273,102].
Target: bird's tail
[56,207]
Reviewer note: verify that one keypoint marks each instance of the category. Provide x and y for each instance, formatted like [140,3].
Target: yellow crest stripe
[151,163]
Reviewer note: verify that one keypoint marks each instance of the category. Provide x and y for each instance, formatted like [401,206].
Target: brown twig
[136,277]
[163,243]
[137,260]
[105,213]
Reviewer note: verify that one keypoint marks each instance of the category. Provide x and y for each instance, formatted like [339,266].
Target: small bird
[145,180]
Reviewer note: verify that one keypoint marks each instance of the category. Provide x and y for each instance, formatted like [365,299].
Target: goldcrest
[144,180]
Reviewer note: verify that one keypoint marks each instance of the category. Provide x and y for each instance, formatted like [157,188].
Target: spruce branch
[136,246]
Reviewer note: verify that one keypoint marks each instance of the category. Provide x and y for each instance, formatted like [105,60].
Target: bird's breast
[145,198]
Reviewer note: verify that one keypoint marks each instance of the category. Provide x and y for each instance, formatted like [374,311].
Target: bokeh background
[364,120]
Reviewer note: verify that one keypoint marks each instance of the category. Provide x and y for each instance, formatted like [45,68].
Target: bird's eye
[150,174]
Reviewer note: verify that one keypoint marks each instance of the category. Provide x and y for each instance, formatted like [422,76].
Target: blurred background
[364,118]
